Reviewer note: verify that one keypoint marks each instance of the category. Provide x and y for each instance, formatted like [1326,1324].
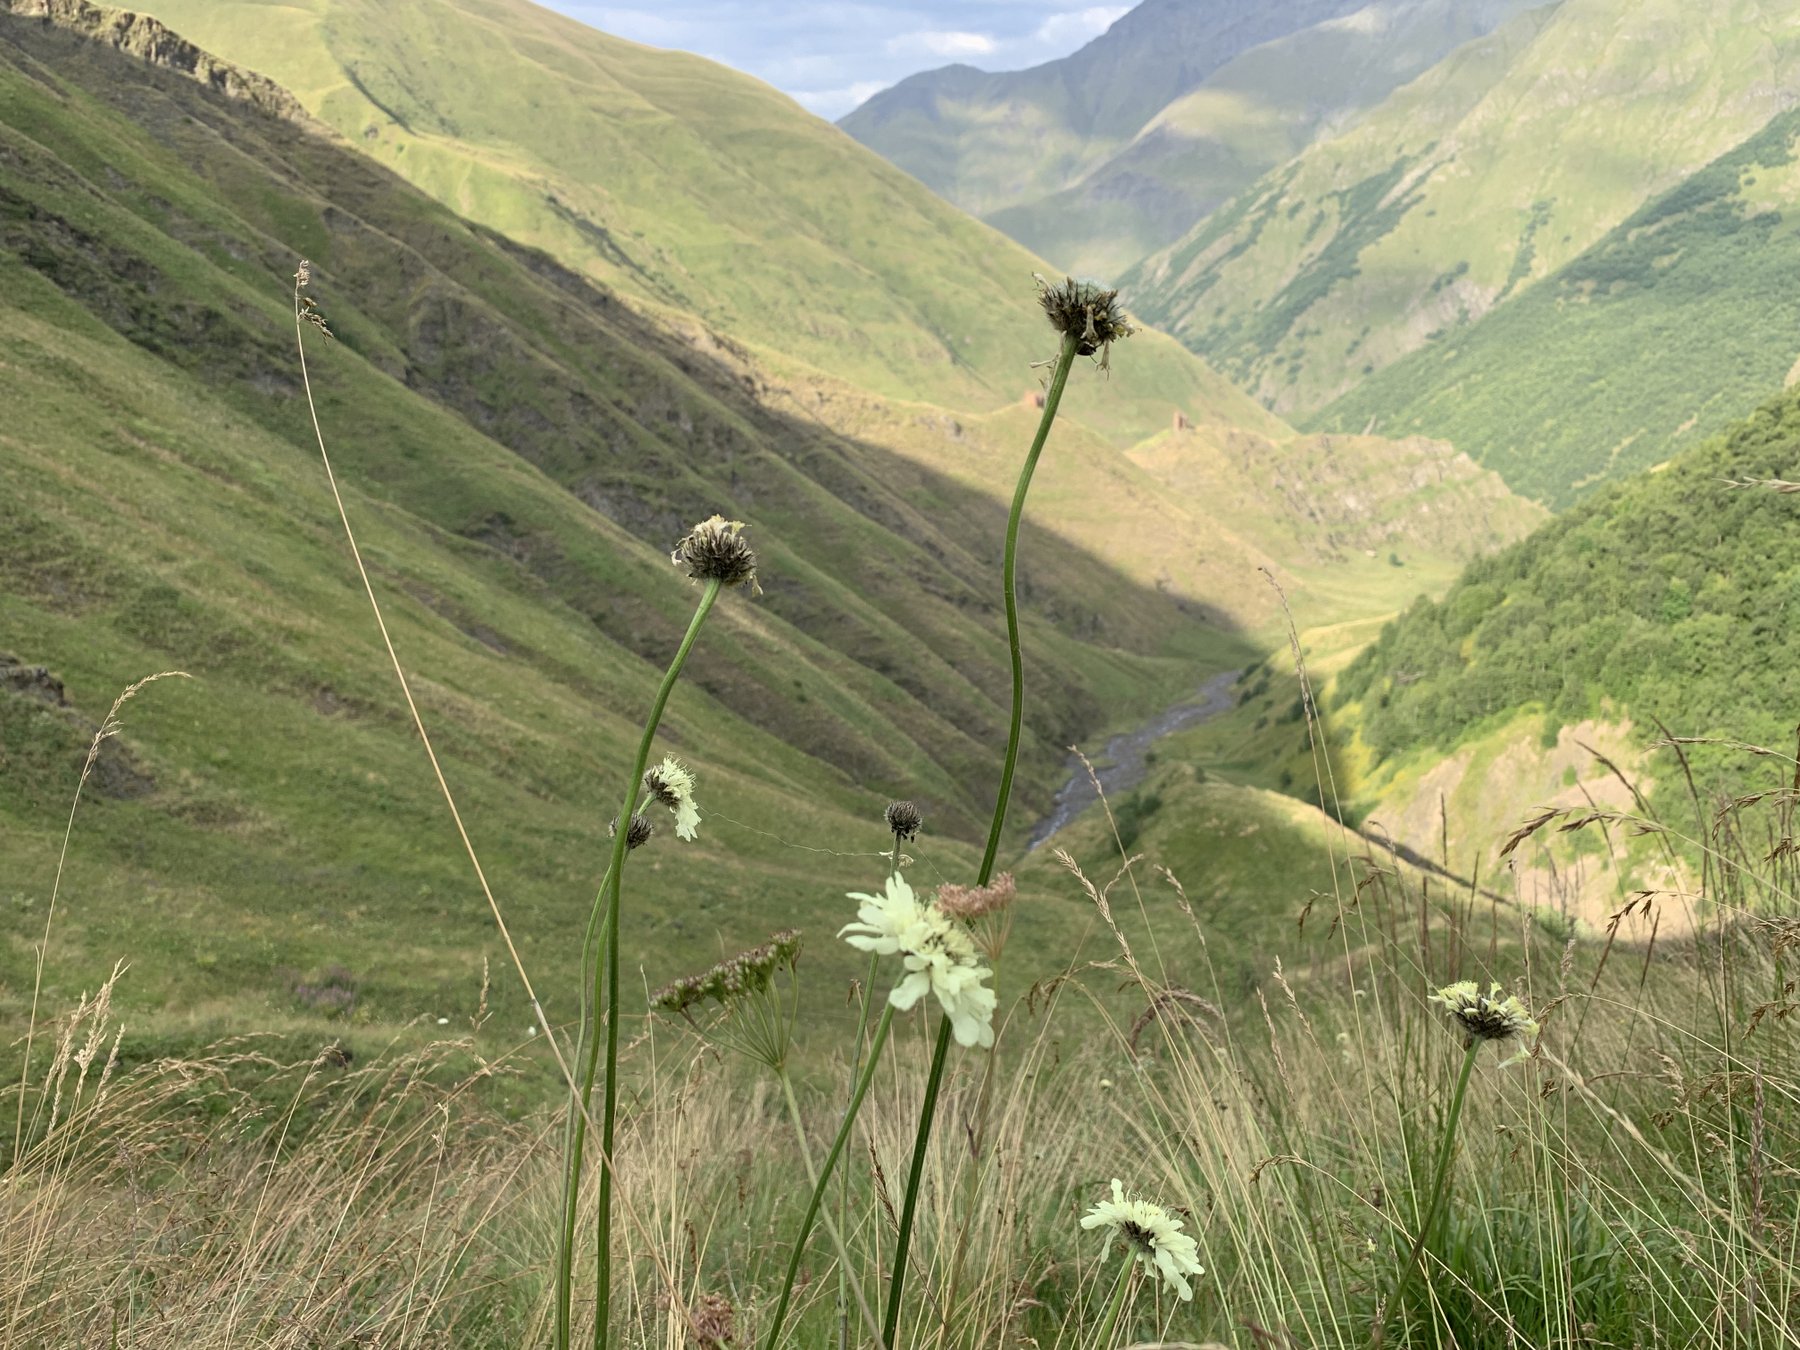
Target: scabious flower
[637,834]
[1087,311]
[672,784]
[1152,1237]
[1493,1016]
[903,819]
[939,957]
[714,550]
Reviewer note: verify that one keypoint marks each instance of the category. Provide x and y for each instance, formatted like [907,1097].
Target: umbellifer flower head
[733,979]
[903,819]
[977,902]
[1152,1236]
[1085,310]
[1493,1016]
[672,784]
[939,957]
[714,550]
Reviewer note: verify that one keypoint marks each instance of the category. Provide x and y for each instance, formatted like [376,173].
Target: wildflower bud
[1493,1016]
[637,834]
[969,903]
[903,819]
[1083,309]
[714,551]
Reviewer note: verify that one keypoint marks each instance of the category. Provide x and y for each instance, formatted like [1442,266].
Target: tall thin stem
[832,1230]
[831,1160]
[1439,1188]
[1104,1340]
[1065,358]
[609,897]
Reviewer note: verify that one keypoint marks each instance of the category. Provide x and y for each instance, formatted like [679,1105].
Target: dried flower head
[672,784]
[969,903]
[903,819]
[305,307]
[714,1321]
[637,834]
[939,956]
[1152,1237]
[733,979]
[1493,1016]
[714,550]
[1083,309]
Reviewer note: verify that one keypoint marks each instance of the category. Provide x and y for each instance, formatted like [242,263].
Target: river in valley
[1123,761]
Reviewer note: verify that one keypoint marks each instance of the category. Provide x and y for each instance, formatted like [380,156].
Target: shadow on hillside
[175,218]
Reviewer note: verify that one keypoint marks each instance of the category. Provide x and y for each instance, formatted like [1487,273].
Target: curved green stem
[609,933]
[1060,377]
[831,1161]
[1104,1340]
[1438,1190]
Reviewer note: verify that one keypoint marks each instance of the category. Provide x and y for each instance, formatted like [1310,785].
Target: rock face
[151,40]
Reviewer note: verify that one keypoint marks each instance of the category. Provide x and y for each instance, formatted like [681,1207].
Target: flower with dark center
[714,550]
[672,784]
[1152,1237]
[903,819]
[1083,309]
[1493,1016]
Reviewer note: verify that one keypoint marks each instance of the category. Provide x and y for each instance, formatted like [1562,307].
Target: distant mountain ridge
[1104,156]
[1467,187]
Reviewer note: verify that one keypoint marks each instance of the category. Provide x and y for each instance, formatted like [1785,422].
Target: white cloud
[1078,26]
[832,104]
[941,42]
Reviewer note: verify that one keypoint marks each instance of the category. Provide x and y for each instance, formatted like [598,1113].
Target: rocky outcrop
[153,41]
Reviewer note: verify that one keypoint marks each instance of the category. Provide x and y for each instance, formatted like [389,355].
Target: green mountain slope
[1677,321]
[685,185]
[163,508]
[521,448]
[1466,187]
[1252,114]
[1671,596]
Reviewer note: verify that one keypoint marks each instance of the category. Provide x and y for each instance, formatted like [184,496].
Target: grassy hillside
[1677,321]
[1465,188]
[685,186]
[1667,598]
[1252,114]
[522,450]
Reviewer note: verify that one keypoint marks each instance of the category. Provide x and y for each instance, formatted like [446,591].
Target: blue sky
[832,56]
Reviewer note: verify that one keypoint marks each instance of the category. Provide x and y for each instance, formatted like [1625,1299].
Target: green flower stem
[831,1229]
[1104,1340]
[866,1001]
[1439,1189]
[831,1160]
[609,934]
[1065,358]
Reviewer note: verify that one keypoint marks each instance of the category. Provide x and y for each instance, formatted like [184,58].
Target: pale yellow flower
[939,957]
[1493,1016]
[1152,1237]
[672,784]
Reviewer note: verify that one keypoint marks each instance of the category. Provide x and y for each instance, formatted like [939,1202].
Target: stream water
[1122,762]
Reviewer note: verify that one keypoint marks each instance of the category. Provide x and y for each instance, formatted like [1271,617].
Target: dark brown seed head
[636,835]
[903,819]
[1085,310]
[714,550]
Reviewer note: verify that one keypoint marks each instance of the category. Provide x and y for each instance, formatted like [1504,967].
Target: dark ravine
[1122,763]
